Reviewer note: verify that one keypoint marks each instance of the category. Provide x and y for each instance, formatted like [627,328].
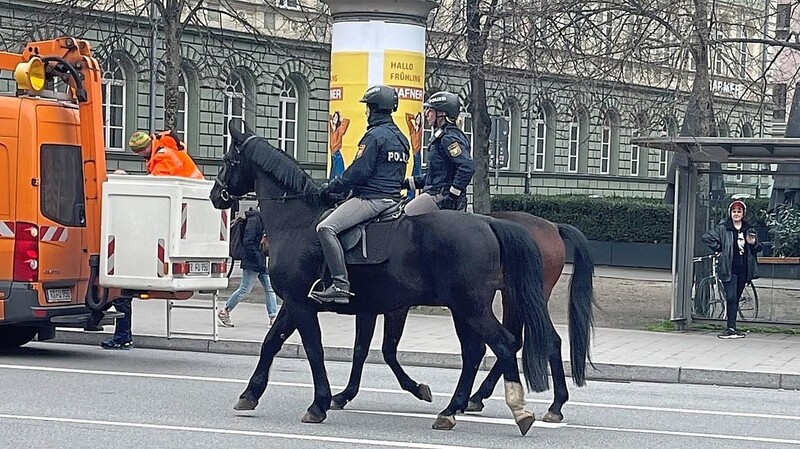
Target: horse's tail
[581,299]
[522,273]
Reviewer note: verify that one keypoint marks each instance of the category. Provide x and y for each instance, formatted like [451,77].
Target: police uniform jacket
[449,162]
[380,163]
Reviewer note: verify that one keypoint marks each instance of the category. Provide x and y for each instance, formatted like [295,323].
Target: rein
[283,198]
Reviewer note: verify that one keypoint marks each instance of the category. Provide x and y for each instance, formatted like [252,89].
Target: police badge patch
[360,151]
[454,149]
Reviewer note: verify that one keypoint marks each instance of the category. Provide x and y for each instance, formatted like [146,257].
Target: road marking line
[385,443]
[465,418]
[391,391]
[690,434]
[545,425]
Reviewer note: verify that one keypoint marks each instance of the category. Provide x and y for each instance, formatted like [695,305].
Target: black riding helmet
[381,98]
[446,102]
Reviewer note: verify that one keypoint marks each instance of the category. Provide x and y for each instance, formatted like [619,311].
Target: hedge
[614,219]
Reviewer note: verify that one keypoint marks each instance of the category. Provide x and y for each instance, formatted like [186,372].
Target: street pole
[153,65]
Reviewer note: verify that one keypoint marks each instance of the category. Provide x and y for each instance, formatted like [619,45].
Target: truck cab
[52,162]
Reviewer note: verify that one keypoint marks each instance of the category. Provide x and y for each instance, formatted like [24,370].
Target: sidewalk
[760,360]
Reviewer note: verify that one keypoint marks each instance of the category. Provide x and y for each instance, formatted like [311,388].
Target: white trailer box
[161,233]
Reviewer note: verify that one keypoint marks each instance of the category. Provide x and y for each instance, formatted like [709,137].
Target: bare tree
[216,20]
[606,47]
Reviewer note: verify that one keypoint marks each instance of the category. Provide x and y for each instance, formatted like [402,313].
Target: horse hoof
[474,406]
[525,424]
[311,418]
[552,417]
[444,422]
[245,405]
[338,403]
[424,393]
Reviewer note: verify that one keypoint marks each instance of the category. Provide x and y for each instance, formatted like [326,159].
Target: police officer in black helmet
[450,166]
[373,180]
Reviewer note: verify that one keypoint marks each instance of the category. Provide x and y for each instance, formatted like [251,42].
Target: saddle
[368,243]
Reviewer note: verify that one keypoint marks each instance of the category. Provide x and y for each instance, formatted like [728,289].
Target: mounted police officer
[450,166]
[373,179]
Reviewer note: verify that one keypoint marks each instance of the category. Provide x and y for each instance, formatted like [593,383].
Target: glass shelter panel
[771,193]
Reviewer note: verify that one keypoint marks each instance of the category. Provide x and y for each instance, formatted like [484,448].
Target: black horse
[549,237]
[454,259]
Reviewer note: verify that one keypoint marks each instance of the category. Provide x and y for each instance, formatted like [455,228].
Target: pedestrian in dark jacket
[735,241]
[254,265]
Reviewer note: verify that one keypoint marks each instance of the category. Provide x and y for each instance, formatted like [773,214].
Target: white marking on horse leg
[515,399]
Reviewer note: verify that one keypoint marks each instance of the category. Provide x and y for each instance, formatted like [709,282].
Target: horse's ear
[234,126]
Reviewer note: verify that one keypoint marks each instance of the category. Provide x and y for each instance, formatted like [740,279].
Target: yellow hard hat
[139,141]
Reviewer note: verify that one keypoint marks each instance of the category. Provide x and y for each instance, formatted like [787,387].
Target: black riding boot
[339,290]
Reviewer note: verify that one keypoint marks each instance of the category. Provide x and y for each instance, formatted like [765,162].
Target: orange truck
[52,169]
[52,161]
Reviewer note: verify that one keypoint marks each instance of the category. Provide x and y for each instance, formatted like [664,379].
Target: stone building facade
[550,141]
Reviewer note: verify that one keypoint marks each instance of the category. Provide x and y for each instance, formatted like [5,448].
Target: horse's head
[235,178]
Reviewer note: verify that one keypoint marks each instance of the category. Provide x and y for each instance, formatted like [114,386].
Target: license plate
[199,268]
[59,295]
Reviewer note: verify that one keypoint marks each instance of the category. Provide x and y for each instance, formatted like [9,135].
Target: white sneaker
[224,318]
[271,320]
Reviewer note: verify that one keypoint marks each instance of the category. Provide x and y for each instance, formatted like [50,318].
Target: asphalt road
[63,396]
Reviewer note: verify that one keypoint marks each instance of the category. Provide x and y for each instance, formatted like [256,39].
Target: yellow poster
[405,71]
[346,121]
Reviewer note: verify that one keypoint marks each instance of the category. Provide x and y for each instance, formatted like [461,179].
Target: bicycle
[709,295]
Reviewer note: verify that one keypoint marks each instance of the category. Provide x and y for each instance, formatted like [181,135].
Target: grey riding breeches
[423,204]
[353,212]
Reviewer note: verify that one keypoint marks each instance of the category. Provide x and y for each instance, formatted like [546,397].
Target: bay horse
[456,260]
[550,239]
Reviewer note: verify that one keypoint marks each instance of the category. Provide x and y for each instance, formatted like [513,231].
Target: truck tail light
[26,253]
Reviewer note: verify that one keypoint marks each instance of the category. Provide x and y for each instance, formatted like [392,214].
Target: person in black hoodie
[735,241]
[254,266]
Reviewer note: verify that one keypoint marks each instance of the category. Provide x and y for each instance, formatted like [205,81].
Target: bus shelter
[697,208]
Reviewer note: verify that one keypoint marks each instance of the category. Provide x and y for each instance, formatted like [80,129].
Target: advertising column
[375,42]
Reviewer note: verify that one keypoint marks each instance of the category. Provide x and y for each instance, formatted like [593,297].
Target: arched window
[635,154]
[663,155]
[500,140]
[234,104]
[287,118]
[605,147]
[609,143]
[464,123]
[114,106]
[539,140]
[181,118]
[575,139]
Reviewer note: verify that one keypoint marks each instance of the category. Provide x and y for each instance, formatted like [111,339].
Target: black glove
[449,202]
[405,184]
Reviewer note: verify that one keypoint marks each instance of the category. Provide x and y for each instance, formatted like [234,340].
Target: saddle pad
[375,245]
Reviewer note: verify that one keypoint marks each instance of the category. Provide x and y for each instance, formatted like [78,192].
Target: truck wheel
[13,336]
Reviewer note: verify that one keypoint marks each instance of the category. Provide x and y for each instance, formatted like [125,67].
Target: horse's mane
[281,166]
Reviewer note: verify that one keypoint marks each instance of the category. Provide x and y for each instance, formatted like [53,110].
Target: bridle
[231,161]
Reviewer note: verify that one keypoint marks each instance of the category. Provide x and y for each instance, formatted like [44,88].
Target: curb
[598,371]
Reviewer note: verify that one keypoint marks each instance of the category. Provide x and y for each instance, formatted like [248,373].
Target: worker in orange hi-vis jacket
[165,155]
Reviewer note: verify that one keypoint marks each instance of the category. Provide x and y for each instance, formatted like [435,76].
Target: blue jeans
[248,280]
[122,330]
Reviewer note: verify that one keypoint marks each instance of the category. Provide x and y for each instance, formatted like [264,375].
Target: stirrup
[343,297]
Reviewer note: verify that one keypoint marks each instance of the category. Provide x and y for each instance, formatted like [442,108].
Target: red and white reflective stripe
[161,256]
[223,227]
[183,220]
[7,229]
[53,234]
[110,257]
